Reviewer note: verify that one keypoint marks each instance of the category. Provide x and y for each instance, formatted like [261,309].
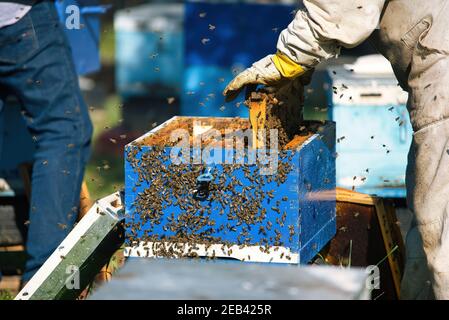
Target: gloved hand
[272,70]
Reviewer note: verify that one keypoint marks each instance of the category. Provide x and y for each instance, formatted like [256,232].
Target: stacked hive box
[373,128]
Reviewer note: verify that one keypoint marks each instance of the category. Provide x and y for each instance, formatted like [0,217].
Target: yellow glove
[268,71]
[288,68]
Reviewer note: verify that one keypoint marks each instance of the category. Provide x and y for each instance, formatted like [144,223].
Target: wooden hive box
[236,212]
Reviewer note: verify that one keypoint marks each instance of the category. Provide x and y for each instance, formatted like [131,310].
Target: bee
[269,225]
[62,226]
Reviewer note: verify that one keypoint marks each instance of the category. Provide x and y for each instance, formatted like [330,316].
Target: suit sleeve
[324,26]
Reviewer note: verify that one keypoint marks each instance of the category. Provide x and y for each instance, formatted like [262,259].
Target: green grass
[6,295]
[100,181]
[107,44]
[106,117]
[104,174]
[313,113]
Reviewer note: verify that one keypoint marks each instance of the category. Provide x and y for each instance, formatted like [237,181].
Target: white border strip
[275,254]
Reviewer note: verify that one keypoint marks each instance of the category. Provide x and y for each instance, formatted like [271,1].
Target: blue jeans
[36,66]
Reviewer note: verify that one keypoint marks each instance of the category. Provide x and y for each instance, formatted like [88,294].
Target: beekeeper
[413,35]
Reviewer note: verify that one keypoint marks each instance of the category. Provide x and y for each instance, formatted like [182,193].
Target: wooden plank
[15,248]
[297,141]
[87,248]
[392,240]
[257,117]
[11,284]
[85,201]
[220,280]
[344,195]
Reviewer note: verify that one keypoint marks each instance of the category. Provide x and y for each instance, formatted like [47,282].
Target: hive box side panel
[274,228]
[317,205]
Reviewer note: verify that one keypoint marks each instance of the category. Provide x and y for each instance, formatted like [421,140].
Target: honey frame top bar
[159,135]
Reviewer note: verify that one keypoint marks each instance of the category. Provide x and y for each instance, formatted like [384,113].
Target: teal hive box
[234,209]
[374,131]
[149,50]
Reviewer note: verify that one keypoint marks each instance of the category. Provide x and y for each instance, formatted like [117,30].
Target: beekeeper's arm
[316,33]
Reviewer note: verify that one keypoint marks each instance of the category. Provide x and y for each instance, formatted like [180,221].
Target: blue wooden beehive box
[85,39]
[229,208]
[210,65]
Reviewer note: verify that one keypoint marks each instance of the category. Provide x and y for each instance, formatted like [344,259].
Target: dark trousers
[36,66]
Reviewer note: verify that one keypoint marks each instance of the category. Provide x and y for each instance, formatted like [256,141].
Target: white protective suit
[414,36]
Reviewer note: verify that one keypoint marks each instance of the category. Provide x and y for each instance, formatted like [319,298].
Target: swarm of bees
[167,211]
[242,208]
